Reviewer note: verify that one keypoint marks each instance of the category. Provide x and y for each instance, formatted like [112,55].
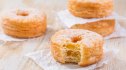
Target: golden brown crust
[19,24]
[91,45]
[90,9]
[56,52]
[102,27]
[91,55]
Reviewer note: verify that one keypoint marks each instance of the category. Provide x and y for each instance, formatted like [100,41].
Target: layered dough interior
[71,51]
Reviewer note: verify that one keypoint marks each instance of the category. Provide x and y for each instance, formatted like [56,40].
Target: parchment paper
[68,20]
[45,60]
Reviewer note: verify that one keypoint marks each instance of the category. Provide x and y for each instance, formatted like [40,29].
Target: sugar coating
[89,38]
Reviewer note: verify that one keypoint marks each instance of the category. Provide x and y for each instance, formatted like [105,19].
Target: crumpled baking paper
[68,20]
[46,61]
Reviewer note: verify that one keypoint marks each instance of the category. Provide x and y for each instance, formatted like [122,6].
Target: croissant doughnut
[24,23]
[91,8]
[77,46]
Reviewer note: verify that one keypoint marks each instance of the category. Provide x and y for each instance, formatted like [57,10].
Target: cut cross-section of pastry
[102,27]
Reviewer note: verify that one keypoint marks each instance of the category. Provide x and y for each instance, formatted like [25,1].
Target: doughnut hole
[76,39]
[22,13]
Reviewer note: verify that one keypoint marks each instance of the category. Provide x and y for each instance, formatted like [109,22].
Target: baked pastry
[91,8]
[77,46]
[24,23]
[102,27]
